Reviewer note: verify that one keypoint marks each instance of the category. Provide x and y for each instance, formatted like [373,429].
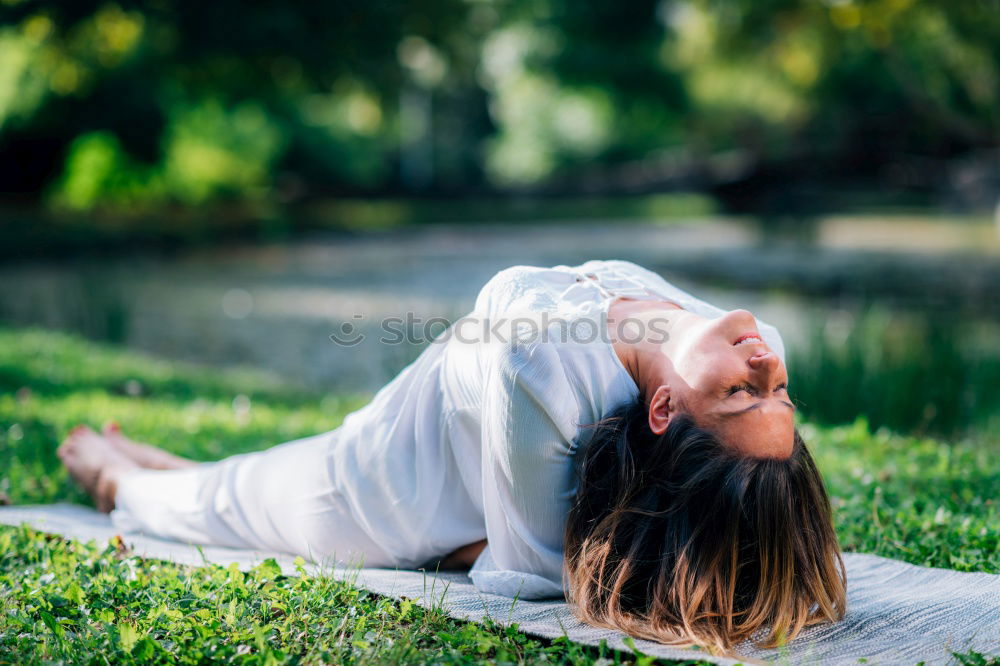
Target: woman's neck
[640,334]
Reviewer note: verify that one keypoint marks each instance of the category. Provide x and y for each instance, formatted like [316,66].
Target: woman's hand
[462,558]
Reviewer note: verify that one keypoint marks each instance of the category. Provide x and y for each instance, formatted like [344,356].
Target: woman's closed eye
[736,388]
[749,388]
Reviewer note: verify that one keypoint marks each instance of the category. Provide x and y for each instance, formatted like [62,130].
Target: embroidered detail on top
[629,287]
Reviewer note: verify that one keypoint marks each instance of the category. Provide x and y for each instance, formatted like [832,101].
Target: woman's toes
[112,432]
[72,441]
[79,430]
[78,433]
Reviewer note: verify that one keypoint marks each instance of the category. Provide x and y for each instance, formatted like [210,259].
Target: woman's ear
[660,411]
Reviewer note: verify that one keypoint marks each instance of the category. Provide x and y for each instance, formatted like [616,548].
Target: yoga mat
[898,613]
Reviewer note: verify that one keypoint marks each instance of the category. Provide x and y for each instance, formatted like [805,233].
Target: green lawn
[918,500]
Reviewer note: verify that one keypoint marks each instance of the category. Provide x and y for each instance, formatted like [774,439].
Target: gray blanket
[897,612]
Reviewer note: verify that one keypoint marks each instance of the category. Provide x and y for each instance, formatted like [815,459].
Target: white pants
[282,499]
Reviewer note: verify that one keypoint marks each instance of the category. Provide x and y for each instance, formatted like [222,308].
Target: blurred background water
[232,184]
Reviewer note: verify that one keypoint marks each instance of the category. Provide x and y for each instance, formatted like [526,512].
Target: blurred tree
[188,85]
[873,81]
[143,104]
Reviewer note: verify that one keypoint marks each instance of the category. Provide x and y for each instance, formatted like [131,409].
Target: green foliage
[98,171]
[189,103]
[208,151]
[919,500]
[212,150]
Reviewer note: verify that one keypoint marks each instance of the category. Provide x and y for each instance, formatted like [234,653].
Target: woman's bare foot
[144,455]
[95,464]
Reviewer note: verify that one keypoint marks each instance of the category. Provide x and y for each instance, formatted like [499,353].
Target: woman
[589,430]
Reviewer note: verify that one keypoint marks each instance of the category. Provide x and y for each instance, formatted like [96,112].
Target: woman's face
[723,374]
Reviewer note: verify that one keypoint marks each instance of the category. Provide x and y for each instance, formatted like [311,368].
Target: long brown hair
[680,539]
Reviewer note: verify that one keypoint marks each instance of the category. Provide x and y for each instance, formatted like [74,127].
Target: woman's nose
[767,360]
[740,315]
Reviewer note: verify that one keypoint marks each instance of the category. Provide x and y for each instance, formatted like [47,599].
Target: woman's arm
[529,417]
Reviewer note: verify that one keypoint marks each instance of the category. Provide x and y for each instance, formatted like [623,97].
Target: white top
[476,439]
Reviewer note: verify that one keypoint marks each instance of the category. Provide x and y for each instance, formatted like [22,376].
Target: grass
[66,601]
[915,499]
